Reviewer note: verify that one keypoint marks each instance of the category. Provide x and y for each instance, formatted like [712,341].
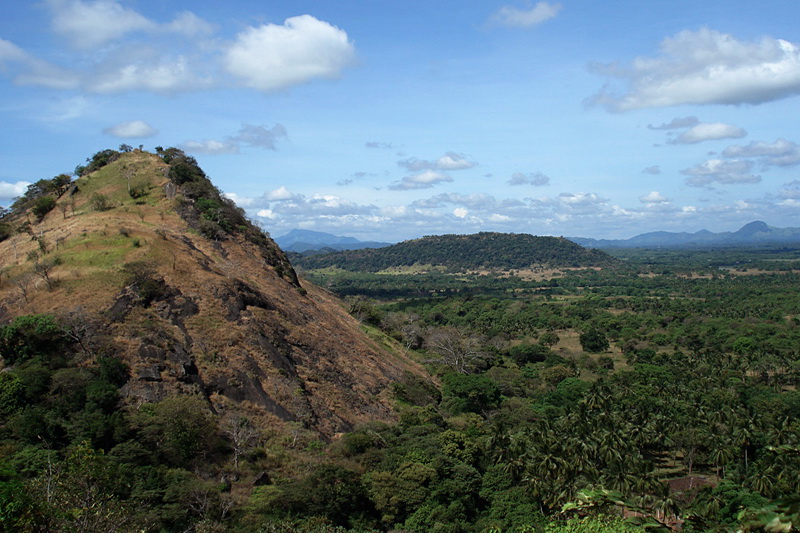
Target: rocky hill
[458,253]
[142,258]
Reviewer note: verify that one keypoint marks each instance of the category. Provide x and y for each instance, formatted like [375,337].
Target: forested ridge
[461,253]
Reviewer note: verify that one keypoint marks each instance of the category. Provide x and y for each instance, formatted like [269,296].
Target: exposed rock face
[224,317]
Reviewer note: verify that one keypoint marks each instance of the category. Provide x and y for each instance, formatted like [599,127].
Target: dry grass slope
[216,317]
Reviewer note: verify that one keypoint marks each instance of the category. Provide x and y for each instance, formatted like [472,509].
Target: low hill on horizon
[756,233]
[461,253]
[301,241]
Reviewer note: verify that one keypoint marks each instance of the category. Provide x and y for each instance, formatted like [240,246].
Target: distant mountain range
[300,241]
[755,233]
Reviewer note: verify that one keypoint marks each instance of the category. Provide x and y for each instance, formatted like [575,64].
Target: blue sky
[389,120]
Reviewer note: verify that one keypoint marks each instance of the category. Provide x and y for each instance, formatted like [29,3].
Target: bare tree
[44,269]
[460,351]
[241,432]
[23,284]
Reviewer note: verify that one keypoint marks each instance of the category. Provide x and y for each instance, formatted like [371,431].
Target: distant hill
[755,233]
[458,253]
[300,240]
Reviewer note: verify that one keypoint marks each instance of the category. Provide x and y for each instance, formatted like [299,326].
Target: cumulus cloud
[134,129]
[449,161]
[12,190]
[279,194]
[116,49]
[720,171]
[708,132]
[706,67]
[581,200]
[256,136]
[781,153]
[653,197]
[423,180]
[526,18]
[676,123]
[376,144]
[537,179]
[272,57]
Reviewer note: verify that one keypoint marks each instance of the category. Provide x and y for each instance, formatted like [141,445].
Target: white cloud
[781,153]
[279,194]
[273,57]
[257,136]
[134,129]
[423,180]
[537,179]
[452,161]
[676,123]
[34,71]
[190,25]
[653,197]
[12,190]
[460,212]
[708,132]
[166,76]
[11,52]
[211,147]
[526,18]
[449,161]
[241,201]
[721,171]
[707,67]
[89,25]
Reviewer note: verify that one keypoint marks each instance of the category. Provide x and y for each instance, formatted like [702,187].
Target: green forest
[658,394]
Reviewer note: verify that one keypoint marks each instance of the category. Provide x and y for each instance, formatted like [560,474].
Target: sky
[391,120]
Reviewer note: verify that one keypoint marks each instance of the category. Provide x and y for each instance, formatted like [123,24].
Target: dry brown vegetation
[221,322]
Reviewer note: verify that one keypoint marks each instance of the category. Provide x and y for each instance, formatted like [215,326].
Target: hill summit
[143,259]
[459,253]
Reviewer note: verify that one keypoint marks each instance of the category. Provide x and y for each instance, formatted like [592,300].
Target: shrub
[100,202]
[470,393]
[594,341]
[30,335]
[43,205]
[529,353]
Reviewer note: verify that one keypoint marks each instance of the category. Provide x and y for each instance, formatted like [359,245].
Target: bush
[529,353]
[594,341]
[42,206]
[470,393]
[30,335]
[100,202]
